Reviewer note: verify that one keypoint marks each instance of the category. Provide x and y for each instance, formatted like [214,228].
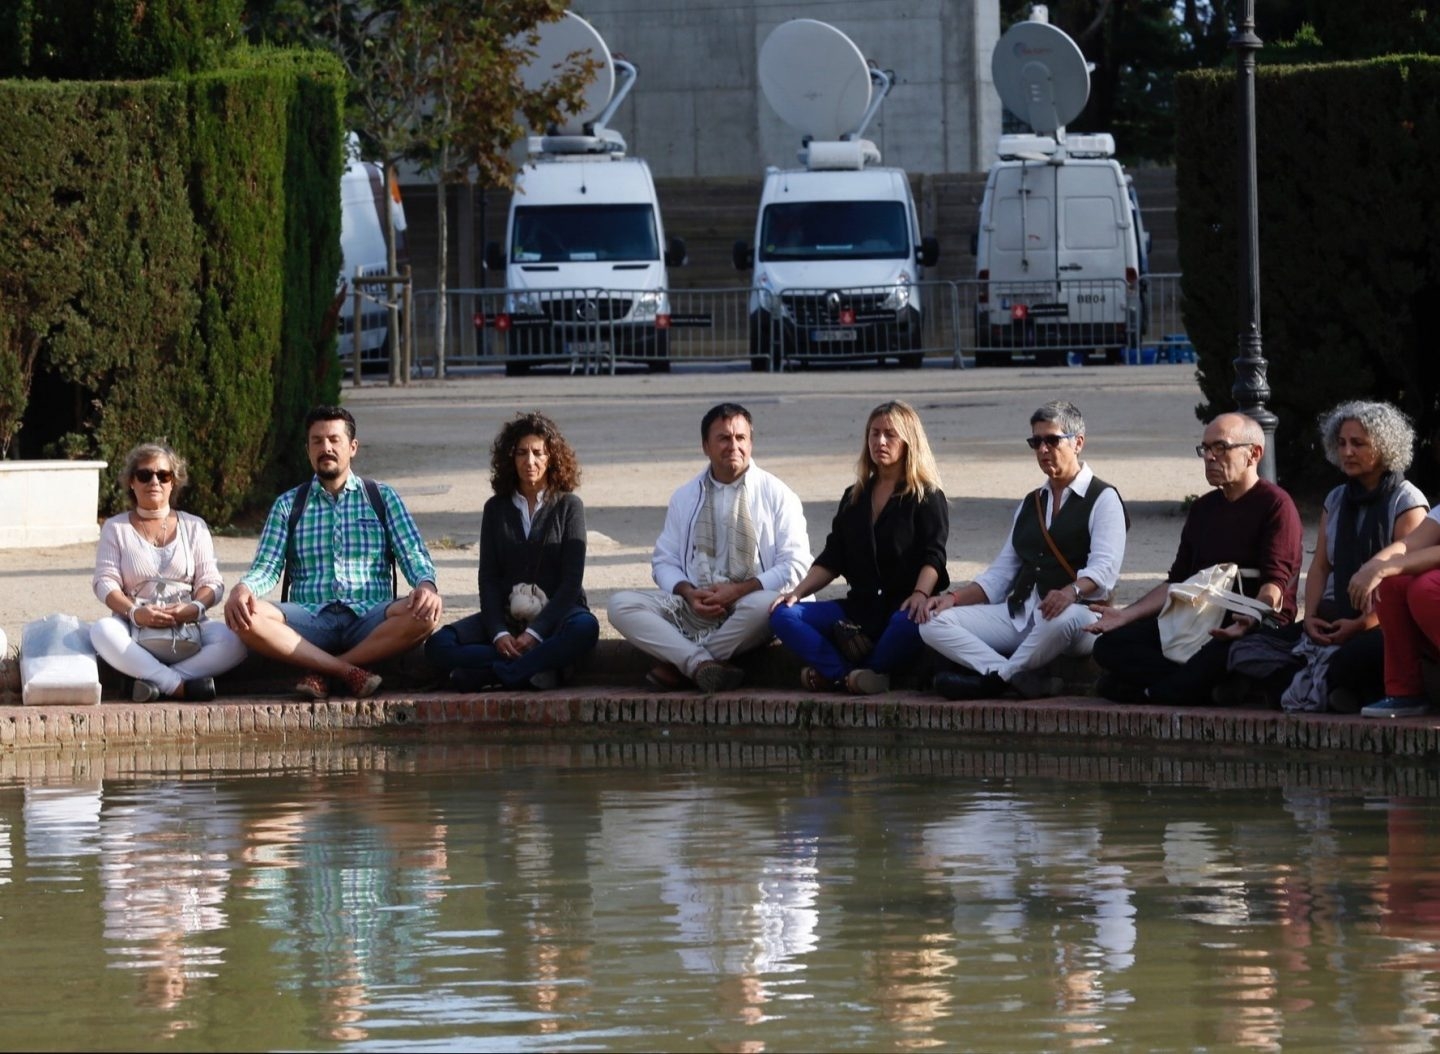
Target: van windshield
[835,230]
[573,233]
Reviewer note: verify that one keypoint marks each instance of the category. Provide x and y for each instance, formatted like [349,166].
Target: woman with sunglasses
[143,548]
[888,541]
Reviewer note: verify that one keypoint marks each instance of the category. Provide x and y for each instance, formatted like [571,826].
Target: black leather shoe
[468,679]
[966,684]
[199,690]
[1118,691]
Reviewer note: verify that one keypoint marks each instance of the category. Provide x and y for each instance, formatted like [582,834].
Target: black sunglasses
[145,475]
[1035,442]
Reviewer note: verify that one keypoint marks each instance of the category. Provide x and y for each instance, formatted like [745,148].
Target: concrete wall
[697,109]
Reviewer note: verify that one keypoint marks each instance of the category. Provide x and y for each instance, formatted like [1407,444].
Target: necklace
[154,535]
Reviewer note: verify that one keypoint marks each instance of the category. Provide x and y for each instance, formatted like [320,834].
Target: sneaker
[144,691]
[313,686]
[360,682]
[713,676]
[1398,706]
[867,682]
[1036,684]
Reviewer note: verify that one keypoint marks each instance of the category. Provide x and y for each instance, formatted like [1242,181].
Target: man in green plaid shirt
[341,616]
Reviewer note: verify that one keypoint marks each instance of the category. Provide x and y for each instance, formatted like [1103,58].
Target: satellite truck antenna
[818,82]
[583,131]
[1041,75]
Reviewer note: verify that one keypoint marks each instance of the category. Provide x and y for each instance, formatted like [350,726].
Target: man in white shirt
[1064,550]
[734,538]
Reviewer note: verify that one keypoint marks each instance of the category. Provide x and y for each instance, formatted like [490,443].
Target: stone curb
[625,714]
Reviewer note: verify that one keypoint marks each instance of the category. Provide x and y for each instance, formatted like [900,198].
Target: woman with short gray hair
[1372,444]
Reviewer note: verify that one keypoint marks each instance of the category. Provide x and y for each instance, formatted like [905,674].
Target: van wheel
[1048,357]
[1114,356]
[764,355]
[516,369]
[660,361]
[658,365]
[991,358]
[912,361]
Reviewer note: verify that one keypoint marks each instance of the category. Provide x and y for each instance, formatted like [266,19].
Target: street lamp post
[1251,389]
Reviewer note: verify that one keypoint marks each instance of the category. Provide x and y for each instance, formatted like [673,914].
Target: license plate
[837,336]
[587,347]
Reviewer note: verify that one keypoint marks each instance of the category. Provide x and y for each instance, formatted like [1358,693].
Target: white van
[837,251]
[1060,254]
[585,257]
[837,263]
[362,243]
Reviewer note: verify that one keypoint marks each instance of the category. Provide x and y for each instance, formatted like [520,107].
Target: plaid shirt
[339,549]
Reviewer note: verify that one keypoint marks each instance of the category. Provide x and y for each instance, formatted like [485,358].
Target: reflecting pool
[714,897]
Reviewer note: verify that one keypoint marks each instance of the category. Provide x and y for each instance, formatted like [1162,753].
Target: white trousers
[220,650]
[642,618]
[984,637]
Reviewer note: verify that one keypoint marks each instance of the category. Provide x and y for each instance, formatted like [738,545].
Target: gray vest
[1070,530]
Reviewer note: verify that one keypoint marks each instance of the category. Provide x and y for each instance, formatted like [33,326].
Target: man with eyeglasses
[336,536]
[1063,553]
[1246,521]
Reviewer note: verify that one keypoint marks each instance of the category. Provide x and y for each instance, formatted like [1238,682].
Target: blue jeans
[461,646]
[804,628]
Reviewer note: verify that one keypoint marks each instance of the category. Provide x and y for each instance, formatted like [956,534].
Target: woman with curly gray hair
[1371,443]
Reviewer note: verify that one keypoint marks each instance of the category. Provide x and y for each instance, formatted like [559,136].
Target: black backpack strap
[302,492]
[377,502]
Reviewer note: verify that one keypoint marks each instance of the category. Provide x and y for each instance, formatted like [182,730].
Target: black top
[881,565]
[553,557]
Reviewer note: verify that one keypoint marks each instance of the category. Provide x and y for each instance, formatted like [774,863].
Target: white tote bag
[1197,605]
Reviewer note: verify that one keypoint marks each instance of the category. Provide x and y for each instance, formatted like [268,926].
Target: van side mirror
[742,256]
[495,258]
[675,254]
[928,252]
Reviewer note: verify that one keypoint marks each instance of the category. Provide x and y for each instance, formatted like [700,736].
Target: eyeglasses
[145,475]
[1217,450]
[1052,441]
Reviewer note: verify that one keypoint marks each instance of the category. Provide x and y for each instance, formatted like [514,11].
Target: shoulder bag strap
[296,508]
[1054,549]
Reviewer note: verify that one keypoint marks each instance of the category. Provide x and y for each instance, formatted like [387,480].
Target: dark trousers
[1132,657]
[458,647]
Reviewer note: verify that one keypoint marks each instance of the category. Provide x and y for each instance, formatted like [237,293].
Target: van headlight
[526,304]
[647,305]
[769,301]
[898,298]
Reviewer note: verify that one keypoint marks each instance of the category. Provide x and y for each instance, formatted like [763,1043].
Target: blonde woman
[888,541]
[155,541]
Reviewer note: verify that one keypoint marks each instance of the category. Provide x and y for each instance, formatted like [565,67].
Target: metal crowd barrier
[962,323]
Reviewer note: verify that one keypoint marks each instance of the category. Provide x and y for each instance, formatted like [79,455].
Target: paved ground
[638,438]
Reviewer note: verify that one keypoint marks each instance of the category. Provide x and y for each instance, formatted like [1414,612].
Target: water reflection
[715,897]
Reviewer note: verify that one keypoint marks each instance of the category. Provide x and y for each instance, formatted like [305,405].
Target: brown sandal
[812,680]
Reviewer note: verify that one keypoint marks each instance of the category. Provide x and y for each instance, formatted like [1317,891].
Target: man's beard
[328,470]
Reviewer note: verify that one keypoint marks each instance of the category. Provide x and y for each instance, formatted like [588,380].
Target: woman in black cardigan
[888,541]
[533,621]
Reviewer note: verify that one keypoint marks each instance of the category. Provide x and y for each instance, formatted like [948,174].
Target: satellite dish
[815,78]
[1041,75]
[558,41]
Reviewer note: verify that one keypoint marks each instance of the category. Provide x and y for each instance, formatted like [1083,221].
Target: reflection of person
[342,616]
[153,541]
[1372,444]
[532,533]
[888,541]
[1246,521]
[1063,552]
[733,537]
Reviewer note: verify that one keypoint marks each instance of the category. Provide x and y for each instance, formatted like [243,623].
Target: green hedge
[171,248]
[1350,264]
